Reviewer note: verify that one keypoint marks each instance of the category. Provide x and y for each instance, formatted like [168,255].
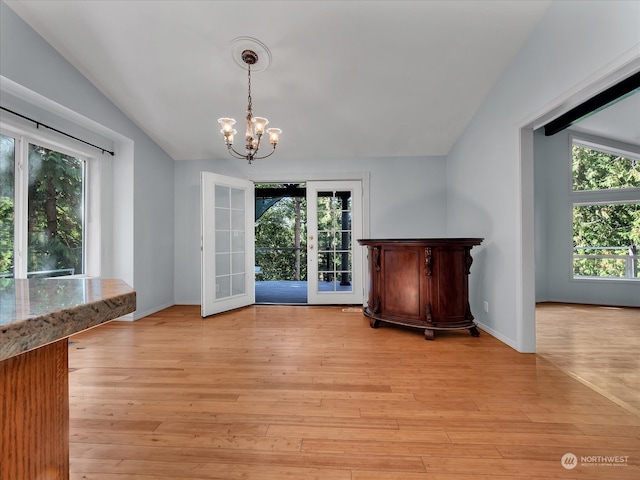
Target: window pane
[223,263]
[222,196]
[223,286]
[596,170]
[606,240]
[237,198]
[7,176]
[238,284]
[223,219]
[56,213]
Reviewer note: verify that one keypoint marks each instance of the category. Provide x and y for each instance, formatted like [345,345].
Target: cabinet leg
[374,323]
[428,334]
[474,332]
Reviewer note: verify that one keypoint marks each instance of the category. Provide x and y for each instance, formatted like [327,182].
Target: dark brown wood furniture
[420,282]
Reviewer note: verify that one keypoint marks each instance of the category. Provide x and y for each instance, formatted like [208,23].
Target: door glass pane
[237,262]
[223,264]
[223,219]
[327,240]
[230,247]
[56,213]
[237,242]
[222,196]
[223,286]
[334,241]
[7,176]
[223,241]
[237,220]
[237,284]
[237,198]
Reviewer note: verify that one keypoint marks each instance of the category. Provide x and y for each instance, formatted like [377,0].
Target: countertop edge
[21,337]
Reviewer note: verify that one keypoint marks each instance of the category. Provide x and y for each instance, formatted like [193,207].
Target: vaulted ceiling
[346,78]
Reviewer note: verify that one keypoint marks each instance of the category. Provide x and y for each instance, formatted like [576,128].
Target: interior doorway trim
[622,67]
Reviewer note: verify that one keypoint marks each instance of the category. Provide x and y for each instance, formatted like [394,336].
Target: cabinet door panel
[451,295]
[402,280]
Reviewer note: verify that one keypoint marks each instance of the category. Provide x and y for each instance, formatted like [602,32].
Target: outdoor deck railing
[631,261]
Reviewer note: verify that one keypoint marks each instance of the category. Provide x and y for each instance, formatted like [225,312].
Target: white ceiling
[347,78]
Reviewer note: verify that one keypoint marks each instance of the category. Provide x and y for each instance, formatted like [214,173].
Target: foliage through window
[598,170]
[7,201]
[606,213]
[53,217]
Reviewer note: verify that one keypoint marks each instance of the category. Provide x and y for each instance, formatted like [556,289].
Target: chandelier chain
[249,97]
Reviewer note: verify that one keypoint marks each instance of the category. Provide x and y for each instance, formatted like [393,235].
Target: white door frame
[307,177]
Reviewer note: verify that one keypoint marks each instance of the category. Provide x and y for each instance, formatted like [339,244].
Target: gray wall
[138,201]
[486,195]
[554,235]
[406,198]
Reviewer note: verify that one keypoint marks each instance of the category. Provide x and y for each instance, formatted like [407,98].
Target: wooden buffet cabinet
[422,283]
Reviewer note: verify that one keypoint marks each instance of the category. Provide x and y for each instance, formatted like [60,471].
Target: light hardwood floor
[275,392]
[598,345]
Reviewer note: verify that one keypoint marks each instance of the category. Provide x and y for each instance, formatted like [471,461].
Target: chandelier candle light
[255,125]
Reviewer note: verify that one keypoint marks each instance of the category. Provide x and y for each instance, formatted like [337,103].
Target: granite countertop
[36,312]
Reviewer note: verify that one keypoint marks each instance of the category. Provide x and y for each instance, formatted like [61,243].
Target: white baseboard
[132,317]
[498,335]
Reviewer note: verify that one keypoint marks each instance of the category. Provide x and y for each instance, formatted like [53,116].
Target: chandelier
[255,126]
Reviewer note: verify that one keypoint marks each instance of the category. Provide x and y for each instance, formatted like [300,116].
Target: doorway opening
[304,242]
[281,243]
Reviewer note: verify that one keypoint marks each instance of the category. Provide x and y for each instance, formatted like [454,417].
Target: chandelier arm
[235,154]
[271,153]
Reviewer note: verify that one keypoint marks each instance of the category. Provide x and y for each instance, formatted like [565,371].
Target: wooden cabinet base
[34,396]
[429,331]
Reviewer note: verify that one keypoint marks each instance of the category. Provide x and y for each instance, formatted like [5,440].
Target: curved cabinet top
[422,241]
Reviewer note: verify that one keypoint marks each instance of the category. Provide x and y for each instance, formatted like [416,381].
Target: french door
[227,248]
[334,258]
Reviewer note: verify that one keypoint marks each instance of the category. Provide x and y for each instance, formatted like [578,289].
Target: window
[7,202]
[42,207]
[606,212]
[596,168]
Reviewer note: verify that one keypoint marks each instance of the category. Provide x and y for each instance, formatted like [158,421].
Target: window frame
[626,195]
[24,135]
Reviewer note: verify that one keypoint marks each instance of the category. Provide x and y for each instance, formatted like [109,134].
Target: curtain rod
[40,124]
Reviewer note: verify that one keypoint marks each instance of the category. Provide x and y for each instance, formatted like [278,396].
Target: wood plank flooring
[598,345]
[275,392]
